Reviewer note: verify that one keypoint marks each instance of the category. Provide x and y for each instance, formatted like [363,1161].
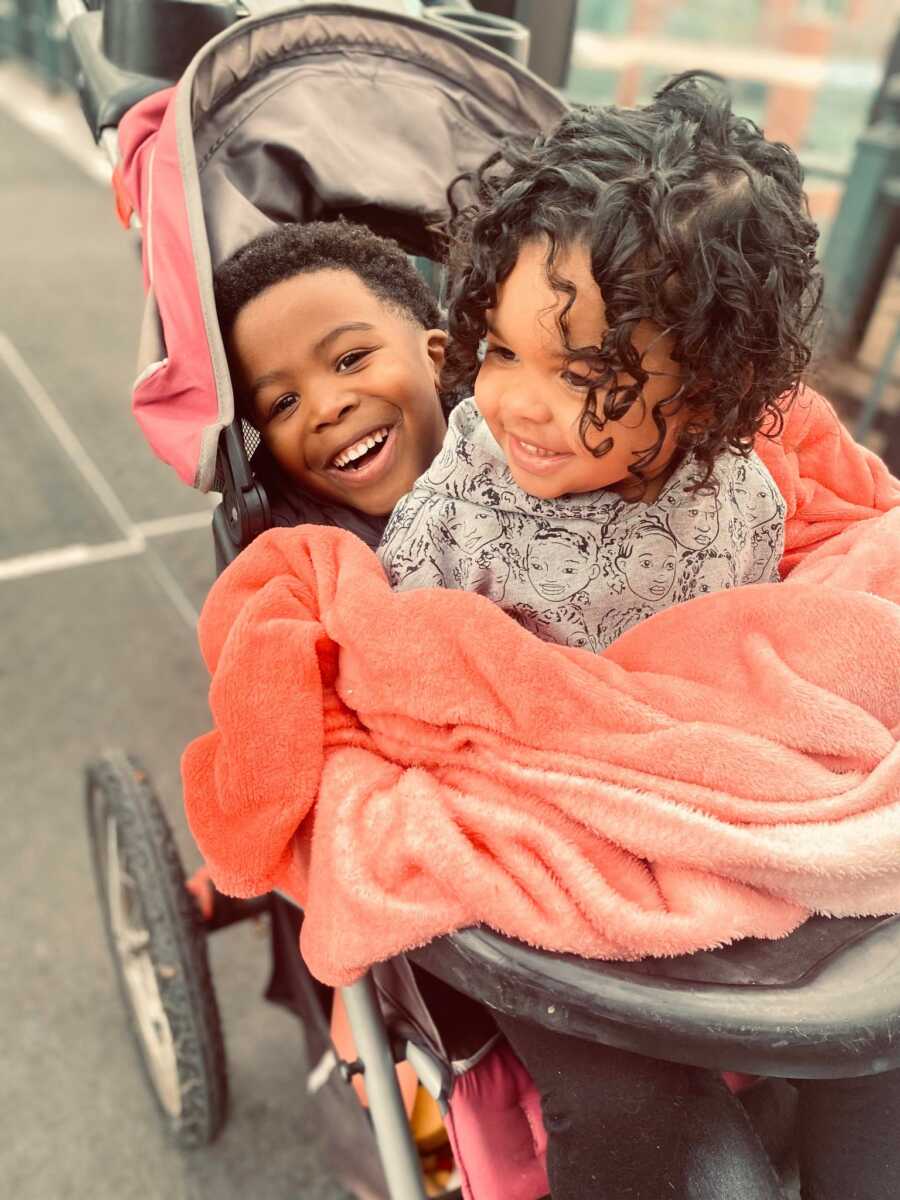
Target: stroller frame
[823,1003]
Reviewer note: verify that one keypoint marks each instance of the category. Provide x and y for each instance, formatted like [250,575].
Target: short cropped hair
[295,249]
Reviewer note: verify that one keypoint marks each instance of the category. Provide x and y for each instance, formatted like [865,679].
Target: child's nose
[525,402]
[328,408]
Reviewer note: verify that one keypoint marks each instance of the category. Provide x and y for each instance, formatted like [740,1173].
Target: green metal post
[31,30]
[865,231]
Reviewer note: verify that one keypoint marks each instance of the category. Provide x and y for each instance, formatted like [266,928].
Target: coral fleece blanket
[409,764]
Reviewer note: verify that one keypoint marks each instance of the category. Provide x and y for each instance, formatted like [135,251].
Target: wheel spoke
[134,941]
[155,1030]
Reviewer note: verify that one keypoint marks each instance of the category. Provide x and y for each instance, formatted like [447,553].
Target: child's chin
[540,489]
[372,502]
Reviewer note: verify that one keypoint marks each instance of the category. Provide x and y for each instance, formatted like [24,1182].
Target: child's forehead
[303,309]
[532,298]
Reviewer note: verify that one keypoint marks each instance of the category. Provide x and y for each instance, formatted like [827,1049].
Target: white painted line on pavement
[160,526]
[58,119]
[87,468]
[85,554]
[172,588]
[65,435]
[65,557]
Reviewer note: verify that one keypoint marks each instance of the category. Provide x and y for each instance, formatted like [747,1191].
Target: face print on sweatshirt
[560,563]
[469,528]
[694,521]
[443,466]
[486,575]
[763,545]
[649,561]
[755,496]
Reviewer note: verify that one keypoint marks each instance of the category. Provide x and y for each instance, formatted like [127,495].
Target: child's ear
[436,346]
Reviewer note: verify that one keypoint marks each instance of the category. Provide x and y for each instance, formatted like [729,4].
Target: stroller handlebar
[69,10]
[130,49]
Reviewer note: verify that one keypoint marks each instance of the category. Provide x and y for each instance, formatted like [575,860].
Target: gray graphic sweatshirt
[580,569]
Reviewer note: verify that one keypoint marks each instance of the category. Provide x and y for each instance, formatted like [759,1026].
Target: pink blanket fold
[410,764]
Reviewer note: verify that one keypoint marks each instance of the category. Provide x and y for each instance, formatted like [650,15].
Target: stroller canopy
[326,110]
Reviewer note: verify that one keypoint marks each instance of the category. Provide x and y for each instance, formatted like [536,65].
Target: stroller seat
[257,134]
[822,1003]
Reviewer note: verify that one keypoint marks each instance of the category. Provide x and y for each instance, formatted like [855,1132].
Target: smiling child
[521,459]
[634,301]
[335,348]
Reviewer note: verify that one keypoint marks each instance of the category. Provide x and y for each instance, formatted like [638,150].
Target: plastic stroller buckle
[348,1069]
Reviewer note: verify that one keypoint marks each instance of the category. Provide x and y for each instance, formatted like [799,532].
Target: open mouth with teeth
[362,452]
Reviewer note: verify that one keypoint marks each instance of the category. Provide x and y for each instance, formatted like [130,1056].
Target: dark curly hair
[294,249]
[692,221]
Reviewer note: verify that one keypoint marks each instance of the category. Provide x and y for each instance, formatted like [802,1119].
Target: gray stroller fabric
[335,109]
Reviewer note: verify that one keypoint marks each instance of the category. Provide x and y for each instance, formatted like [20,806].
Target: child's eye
[347,361]
[499,352]
[283,404]
[576,379]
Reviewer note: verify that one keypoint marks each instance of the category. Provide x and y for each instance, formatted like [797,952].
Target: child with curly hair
[634,301]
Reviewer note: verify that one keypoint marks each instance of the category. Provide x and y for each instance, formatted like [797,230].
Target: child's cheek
[485,400]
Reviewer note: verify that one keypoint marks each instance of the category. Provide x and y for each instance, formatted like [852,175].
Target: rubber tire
[117,785]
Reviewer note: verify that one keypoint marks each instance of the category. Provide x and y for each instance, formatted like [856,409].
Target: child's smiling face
[532,397]
[342,387]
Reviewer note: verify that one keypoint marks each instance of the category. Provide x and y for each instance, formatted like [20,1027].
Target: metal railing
[31,30]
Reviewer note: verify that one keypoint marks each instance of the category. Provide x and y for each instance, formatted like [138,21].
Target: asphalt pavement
[105,558]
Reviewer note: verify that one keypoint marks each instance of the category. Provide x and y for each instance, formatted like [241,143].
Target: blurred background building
[804,70]
[813,73]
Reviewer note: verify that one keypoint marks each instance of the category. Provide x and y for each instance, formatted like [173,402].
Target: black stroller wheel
[158,947]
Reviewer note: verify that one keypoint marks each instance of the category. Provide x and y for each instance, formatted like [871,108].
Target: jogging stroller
[252,135]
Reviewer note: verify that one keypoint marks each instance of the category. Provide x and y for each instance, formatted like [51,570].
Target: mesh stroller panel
[251,438]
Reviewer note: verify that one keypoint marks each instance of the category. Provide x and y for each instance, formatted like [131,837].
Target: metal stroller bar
[398,1153]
